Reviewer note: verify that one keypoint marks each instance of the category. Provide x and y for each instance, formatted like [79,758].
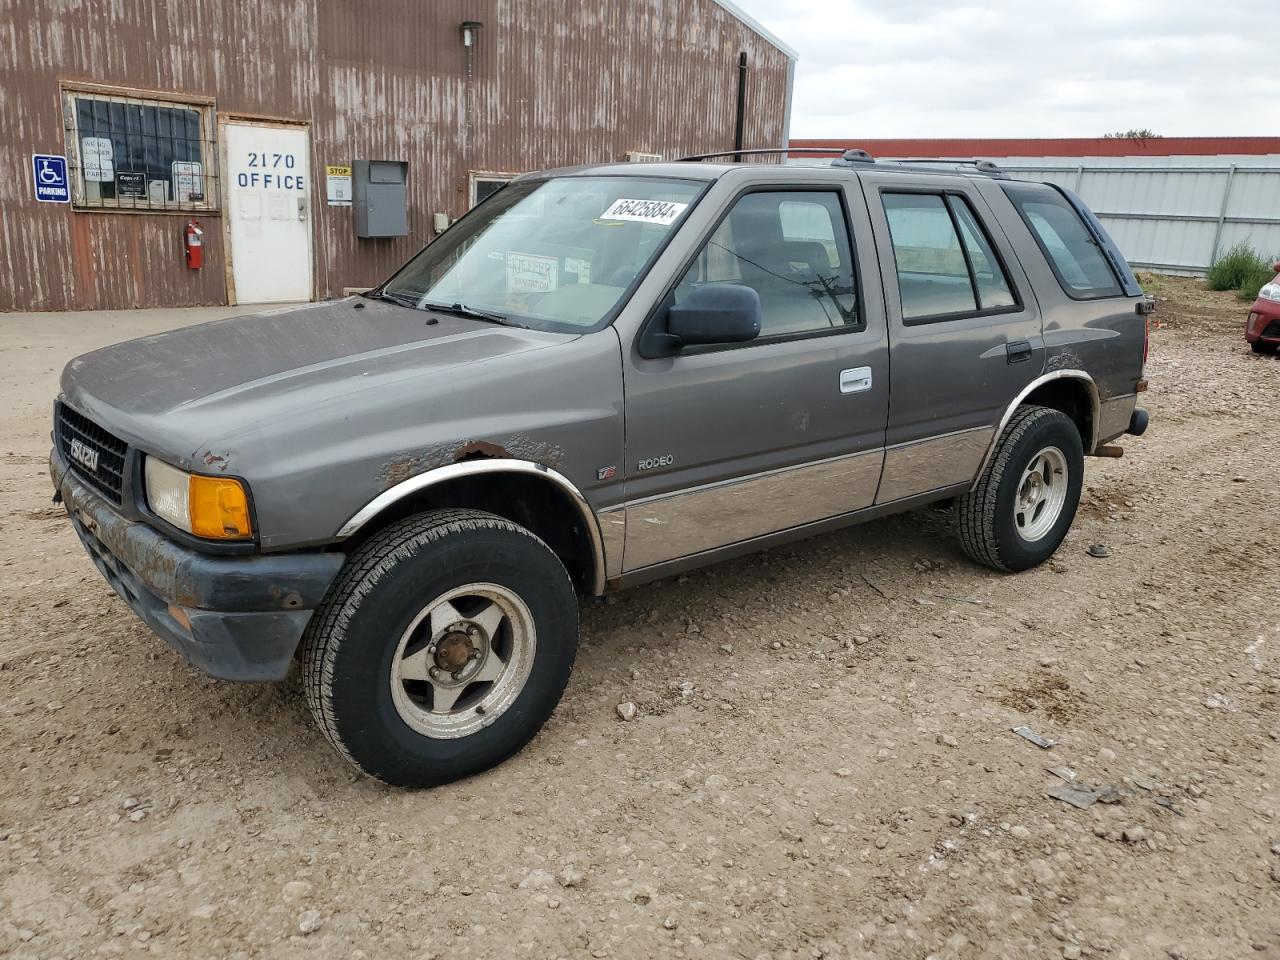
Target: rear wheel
[1261,347]
[1023,504]
[443,647]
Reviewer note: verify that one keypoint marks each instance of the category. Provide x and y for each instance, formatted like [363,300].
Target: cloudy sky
[1040,68]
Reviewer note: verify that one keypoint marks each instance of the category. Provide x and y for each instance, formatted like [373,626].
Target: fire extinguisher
[192,243]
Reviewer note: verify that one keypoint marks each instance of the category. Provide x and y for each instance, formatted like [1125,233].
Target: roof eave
[754,24]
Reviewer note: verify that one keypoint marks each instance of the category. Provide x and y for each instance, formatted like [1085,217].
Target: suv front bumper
[234,617]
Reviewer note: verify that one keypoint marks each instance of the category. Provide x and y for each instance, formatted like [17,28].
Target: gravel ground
[821,765]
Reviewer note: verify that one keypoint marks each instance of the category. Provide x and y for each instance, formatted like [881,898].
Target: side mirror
[717,313]
[1277,267]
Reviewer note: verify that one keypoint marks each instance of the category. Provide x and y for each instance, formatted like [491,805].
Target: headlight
[216,508]
[1271,291]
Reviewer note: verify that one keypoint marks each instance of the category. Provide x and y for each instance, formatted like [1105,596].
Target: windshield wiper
[403,301]
[462,310]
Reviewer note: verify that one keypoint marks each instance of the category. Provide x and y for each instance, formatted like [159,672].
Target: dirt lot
[823,765]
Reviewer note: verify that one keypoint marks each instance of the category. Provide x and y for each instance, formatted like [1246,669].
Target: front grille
[1272,330]
[96,456]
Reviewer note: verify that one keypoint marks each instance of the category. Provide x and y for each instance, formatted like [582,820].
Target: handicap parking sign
[50,176]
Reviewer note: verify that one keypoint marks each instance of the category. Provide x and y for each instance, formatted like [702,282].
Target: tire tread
[361,573]
[976,509]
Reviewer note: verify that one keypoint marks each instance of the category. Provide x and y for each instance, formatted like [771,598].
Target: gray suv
[598,377]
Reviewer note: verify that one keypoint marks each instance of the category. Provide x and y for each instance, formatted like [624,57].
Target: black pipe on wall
[742,105]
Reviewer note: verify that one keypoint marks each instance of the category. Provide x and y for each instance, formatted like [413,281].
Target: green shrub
[1254,280]
[1231,269]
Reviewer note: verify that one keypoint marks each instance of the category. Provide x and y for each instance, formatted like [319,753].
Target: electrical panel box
[380,198]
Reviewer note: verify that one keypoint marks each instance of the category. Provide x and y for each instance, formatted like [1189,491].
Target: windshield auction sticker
[530,273]
[662,212]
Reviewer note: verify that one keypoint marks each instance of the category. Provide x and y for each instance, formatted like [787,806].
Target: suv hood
[219,378]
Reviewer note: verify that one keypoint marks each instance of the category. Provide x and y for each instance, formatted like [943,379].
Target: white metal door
[268,188]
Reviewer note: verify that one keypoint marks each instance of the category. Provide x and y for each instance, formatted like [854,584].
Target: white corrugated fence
[1173,214]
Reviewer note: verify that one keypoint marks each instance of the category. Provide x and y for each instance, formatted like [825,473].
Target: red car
[1262,329]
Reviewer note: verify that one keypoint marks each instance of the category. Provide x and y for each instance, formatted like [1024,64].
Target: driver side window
[791,247]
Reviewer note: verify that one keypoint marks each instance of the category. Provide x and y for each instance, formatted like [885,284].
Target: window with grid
[133,153]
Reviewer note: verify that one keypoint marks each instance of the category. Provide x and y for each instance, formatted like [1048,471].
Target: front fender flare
[469,468]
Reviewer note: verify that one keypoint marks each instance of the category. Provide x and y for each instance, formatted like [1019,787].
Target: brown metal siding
[552,82]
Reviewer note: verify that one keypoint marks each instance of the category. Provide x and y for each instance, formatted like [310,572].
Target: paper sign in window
[580,268]
[528,273]
[98,156]
[662,212]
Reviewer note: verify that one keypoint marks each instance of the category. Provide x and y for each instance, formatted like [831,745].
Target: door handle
[855,380]
[1018,351]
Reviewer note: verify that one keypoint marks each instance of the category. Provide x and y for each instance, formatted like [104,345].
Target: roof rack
[852,156]
[855,157]
[985,167]
[763,150]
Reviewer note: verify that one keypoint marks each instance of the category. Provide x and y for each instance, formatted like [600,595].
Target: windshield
[554,254]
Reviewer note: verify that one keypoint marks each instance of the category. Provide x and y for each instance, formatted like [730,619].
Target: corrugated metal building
[1171,203]
[250,116]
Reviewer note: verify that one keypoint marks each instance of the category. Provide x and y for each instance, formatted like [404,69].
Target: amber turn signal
[219,508]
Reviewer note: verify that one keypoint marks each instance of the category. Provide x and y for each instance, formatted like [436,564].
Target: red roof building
[1055,147]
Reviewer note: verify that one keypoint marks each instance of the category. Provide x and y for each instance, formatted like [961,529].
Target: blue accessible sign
[49,173]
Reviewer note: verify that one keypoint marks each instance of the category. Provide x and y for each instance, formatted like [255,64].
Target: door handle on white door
[855,380]
[302,206]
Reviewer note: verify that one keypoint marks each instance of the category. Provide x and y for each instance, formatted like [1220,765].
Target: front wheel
[442,648]
[1023,504]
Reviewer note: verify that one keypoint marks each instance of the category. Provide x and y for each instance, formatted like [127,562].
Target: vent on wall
[635,156]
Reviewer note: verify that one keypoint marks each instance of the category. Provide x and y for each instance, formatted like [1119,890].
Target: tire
[508,619]
[994,533]
[1260,347]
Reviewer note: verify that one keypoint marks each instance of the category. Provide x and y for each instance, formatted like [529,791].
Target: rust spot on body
[515,447]
[475,449]
[398,471]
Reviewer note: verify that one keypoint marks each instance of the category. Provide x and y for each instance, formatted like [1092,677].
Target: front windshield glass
[552,254]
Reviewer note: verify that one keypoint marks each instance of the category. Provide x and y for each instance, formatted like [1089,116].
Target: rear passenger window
[793,249]
[1077,261]
[946,265]
[993,287]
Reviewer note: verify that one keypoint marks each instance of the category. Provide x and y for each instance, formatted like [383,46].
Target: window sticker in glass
[663,212]
[530,273]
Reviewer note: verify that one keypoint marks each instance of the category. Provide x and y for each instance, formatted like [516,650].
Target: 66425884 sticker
[663,212]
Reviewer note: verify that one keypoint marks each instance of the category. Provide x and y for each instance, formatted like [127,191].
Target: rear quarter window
[1075,256]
